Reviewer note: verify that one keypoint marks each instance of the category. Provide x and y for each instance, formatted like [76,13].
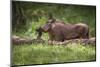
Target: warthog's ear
[51,20]
[50,16]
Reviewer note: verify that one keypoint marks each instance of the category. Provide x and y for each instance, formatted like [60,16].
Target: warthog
[59,31]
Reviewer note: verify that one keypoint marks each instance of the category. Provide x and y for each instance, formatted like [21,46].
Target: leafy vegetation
[27,16]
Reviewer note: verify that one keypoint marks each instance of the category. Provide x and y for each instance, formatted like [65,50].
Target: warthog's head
[46,27]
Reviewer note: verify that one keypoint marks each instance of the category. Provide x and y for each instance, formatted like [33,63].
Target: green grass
[41,54]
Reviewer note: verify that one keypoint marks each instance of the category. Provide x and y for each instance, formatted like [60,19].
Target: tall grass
[43,54]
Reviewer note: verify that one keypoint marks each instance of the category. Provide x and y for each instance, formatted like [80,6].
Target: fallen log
[90,41]
[18,40]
